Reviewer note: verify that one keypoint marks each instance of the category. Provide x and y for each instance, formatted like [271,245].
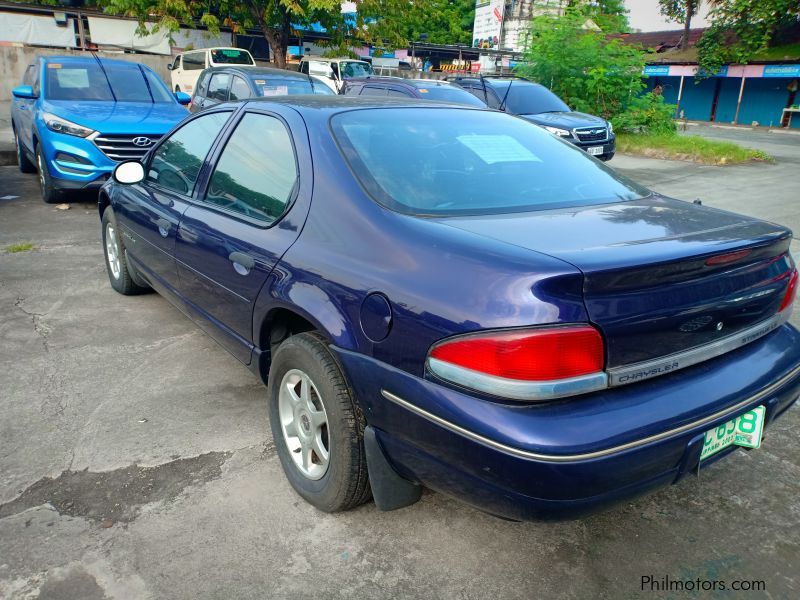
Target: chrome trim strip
[476,437]
[515,389]
[686,358]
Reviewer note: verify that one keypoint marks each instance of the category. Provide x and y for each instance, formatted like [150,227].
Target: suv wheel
[49,192]
[317,427]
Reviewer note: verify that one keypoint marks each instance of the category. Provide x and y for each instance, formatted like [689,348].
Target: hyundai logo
[142,141]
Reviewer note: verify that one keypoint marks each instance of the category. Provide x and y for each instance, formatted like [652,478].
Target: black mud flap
[389,490]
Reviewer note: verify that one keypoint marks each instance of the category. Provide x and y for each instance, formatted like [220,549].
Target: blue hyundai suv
[75,118]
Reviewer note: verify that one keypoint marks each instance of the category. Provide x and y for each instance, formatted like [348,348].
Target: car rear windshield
[529,99]
[282,86]
[230,56]
[444,93]
[88,81]
[449,161]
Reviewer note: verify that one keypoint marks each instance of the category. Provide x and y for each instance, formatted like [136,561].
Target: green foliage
[688,147]
[21,247]
[647,113]
[755,24]
[588,71]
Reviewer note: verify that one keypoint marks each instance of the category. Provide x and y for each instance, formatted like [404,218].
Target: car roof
[308,103]
[251,71]
[378,79]
[326,59]
[82,60]
[423,83]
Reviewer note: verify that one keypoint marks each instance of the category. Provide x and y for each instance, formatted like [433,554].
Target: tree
[681,11]
[590,72]
[274,18]
[742,28]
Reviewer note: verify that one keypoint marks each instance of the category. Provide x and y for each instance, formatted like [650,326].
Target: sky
[644,15]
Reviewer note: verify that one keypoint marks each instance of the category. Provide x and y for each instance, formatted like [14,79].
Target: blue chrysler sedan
[75,117]
[449,297]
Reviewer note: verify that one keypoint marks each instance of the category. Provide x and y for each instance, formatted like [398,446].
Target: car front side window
[177,161]
[218,88]
[257,172]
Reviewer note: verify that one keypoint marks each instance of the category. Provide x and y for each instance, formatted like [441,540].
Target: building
[759,93]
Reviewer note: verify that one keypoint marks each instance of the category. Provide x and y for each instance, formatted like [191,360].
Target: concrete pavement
[136,459]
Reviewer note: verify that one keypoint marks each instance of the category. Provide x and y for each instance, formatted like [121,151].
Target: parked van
[333,71]
[187,66]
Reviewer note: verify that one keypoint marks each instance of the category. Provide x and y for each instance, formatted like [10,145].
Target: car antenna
[508,89]
[483,84]
[311,81]
[108,81]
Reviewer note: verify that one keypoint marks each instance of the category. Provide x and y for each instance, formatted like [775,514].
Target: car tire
[26,165]
[50,194]
[607,157]
[119,273]
[306,387]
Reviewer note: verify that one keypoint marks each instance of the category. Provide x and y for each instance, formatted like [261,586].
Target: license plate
[595,150]
[745,430]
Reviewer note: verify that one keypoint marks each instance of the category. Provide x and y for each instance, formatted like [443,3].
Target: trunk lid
[661,276]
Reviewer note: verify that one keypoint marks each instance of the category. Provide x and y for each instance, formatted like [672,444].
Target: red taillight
[546,354]
[730,257]
[791,291]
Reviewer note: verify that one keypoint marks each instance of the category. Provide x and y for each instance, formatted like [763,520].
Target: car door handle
[163,227]
[242,263]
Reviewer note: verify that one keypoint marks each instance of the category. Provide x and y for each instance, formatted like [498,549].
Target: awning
[122,34]
[37,30]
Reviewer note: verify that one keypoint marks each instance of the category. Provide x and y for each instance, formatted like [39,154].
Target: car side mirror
[128,172]
[24,91]
[183,98]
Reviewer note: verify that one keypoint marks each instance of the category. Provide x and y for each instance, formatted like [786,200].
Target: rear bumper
[568,458]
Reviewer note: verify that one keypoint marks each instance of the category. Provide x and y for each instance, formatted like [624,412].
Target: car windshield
[356,68]
[282,86]
[525,98]
[446,93]
[449,161]
[88,81]
[231,56]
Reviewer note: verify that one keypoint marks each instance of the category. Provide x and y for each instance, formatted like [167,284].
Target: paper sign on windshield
[276,90]
[73,78]
[493,149]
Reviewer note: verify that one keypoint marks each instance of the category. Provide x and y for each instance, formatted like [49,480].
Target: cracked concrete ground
[136,459]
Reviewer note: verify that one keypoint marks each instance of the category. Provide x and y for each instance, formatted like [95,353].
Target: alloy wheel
[112,250]
[304,424]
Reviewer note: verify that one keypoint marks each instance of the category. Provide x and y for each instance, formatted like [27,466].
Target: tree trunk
[687,23]
[277,36]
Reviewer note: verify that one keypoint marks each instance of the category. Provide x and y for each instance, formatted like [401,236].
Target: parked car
[223,84]
[444,296]
[427,89]
[334,71]
[539,105]
[187,66]
[75,117]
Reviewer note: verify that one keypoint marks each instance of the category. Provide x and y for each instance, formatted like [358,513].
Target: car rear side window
[194,61]
[467,161]
[218,87]
[257,172]
[177,161]
[239,89]
[400,94]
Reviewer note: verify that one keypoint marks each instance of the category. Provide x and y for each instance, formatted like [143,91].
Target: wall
[15,59]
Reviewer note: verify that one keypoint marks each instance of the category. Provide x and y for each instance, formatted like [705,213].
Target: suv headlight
[60,125]
[558,131]
[610,128]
